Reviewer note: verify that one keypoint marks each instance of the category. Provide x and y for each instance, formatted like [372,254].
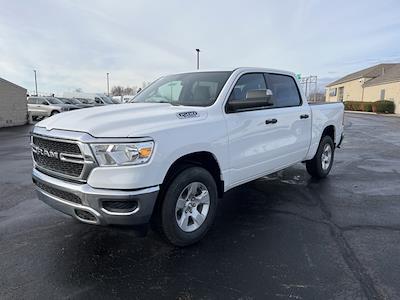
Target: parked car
[98,98]
[47,106]
[184,141]
[94,102]
[115,100]
[75,102]
[127,98]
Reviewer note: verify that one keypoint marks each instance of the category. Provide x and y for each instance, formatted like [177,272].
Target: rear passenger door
[42,107]
[294,118]
[32,105]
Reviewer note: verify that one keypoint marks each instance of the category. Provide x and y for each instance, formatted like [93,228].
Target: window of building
[341,93]
[332,92]
[382,95]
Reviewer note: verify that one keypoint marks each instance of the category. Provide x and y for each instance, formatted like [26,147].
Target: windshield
[191,89]
[72,100]
[86,101]
[54,100]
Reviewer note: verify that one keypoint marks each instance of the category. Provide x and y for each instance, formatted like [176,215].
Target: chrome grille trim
[84,161]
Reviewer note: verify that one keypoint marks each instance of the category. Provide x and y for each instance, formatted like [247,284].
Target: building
[13,105]
[380,82]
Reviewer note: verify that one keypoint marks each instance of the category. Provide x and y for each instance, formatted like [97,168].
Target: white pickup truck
[184,141]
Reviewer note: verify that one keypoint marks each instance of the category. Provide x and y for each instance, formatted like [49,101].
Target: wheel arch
[329,131]
[204,159]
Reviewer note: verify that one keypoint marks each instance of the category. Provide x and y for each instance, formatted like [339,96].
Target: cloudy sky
[73,44]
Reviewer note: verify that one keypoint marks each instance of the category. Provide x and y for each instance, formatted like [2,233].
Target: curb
[371,113]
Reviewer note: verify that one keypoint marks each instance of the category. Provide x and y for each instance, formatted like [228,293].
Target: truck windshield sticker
[187,114]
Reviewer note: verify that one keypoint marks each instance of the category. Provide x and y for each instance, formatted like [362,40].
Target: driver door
[254,138]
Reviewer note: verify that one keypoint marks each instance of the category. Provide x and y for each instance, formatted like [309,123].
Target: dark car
[76,102]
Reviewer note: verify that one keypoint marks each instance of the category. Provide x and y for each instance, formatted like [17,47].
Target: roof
[9,82]
[243,69]
[372,72]
[390,75]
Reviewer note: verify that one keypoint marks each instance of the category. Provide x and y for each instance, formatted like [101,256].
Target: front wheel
[189,206]
[321,164]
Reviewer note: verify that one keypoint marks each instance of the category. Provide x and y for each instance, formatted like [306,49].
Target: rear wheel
[321,164]
[189,206]
[54,112]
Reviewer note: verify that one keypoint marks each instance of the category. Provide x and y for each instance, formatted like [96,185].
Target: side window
[248,82]
[41,101]
[98,100]
[32,101]
[284,90]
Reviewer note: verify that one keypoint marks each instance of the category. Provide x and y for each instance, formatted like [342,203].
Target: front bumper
[87,204]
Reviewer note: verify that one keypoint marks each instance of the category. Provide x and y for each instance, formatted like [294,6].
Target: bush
[367,106]
[358,106]
[383,106]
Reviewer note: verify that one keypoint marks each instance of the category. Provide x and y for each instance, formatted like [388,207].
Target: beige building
[380,82]
[13,105]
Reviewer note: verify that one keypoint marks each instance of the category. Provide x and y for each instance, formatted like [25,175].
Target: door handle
[271,121]
[305,116]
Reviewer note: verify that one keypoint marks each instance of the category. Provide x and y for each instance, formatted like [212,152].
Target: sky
[73,44]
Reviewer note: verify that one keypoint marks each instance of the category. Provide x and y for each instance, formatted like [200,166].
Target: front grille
[54,163]
[58,193]
[57,146]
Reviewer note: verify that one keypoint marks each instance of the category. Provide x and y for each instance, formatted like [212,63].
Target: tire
[321,164]
[187,221]
[54,112]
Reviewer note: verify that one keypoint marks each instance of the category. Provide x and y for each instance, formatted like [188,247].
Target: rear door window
[284,90]
[42,101]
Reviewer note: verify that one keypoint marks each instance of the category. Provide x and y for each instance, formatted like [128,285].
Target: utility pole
[34,71]
[310,87]
[108,84]
[198,58]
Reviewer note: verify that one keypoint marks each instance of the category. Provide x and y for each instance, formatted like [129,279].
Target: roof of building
[390,75]
[11,83]
[379,74]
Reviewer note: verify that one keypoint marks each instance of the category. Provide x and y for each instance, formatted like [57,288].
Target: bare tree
[128,91]
[122,91]
[117,90]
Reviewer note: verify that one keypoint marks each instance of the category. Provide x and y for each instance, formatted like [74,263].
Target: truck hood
[124,120]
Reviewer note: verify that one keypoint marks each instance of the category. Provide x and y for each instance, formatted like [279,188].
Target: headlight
[123,154]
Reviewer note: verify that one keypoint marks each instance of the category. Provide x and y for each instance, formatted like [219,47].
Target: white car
[47,106]
[184,141]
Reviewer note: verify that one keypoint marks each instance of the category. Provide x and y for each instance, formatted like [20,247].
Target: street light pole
[34,71]
[198,58]
[108,84]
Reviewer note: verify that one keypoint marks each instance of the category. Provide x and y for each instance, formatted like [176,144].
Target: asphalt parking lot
[285,236]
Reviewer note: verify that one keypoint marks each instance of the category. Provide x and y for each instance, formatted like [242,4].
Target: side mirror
[254,99]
